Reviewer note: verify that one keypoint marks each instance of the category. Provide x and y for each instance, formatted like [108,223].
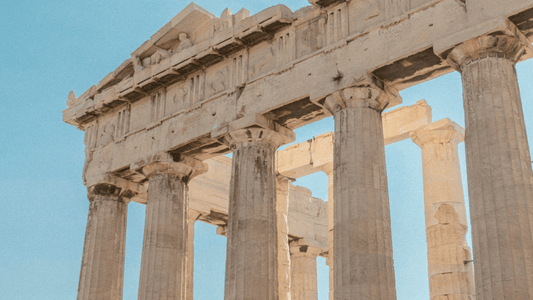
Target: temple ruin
[157,128]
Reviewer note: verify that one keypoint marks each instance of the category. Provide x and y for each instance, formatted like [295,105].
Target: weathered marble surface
[102,265]
[165,246]
[252,248]
[498,165]
[449,257]
[362,241]
[303,271]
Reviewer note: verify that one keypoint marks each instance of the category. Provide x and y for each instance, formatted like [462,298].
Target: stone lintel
[494,27]
[255,121]
[442,131]
[334,92]
[399,122]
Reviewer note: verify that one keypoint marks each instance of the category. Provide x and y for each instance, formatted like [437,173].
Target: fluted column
[284,261]
[304,272]
[498,166]
[163,263]
[193,216]
[363,263]
[449,258]
[328,169]
[252,248]
[102,267]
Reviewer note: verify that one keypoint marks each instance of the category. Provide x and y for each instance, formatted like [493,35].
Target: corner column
[304,271]
[102,267]
[163,263]
[449,258]
[363,263]
[499,166]
[284,260]
[252,247]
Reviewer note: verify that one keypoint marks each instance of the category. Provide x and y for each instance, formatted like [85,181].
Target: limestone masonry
[157,127]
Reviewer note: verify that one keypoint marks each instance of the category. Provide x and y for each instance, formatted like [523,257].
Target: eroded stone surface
[165,246]
[304,271]
[102,266]
[252,248]
[362,240]
[449,257]
[498,165]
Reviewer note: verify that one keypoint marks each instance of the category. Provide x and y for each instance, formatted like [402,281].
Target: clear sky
[51,47]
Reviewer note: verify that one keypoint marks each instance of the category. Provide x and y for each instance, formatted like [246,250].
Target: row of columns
[500,193]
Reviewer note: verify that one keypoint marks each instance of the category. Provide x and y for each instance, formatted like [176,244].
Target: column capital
[356,90]
[253,128]
[113,188]
[328,169]
[254,136]
[184,167]
[502,46]
[283,182]
[298,247]
[439,132]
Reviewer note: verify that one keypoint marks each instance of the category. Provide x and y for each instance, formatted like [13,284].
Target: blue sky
[51,47]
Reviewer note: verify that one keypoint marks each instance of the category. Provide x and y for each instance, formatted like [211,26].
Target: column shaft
[102,268]
[163,261]
[499,168]
[363,262]
[284,261]
[252,248]
[304,272]
[449,258]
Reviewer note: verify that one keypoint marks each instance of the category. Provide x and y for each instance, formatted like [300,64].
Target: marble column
[498,166]
[284,261]
[102,267]
[449,257]
[252,247]
[328,169]
[304,272]
[163,262]
[193,216]
[363,263]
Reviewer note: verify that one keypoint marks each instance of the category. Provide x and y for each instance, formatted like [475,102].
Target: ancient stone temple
[157,128]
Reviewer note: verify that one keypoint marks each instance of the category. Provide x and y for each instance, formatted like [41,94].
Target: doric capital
[283,182]
[503,46]
[300,248]
[440,132]
[254,136]
[328,169]
[253,129]
[184,167]
[356,90]
[367,97]
[110,192]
